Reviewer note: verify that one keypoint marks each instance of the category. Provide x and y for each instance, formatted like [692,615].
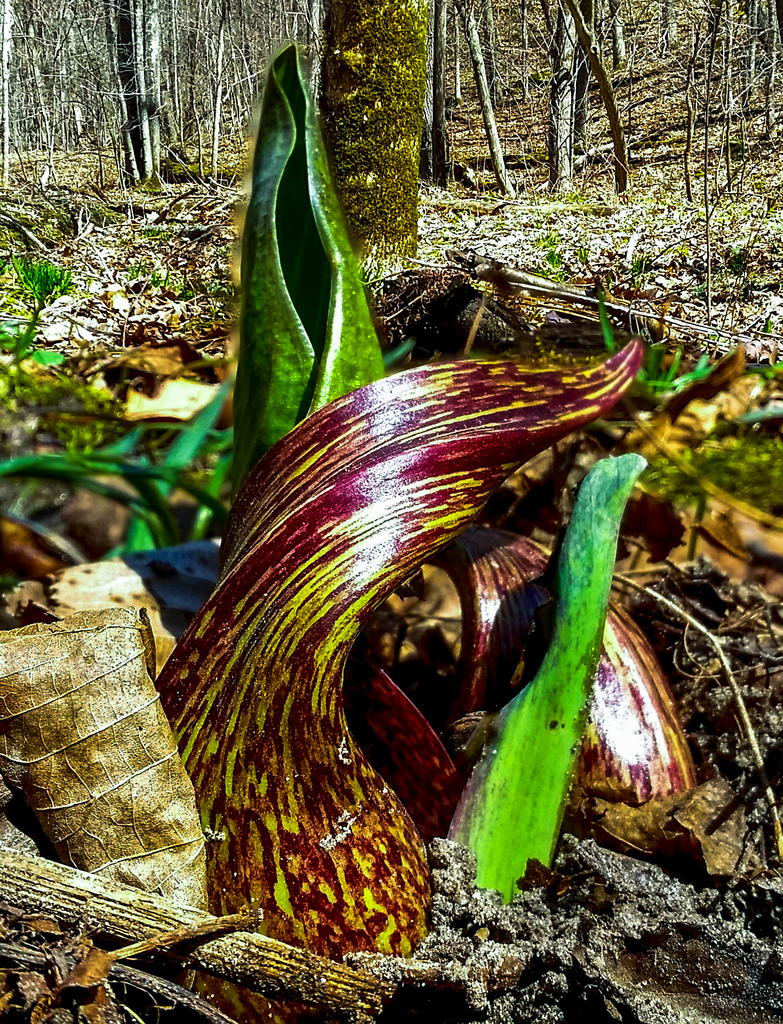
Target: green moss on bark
[373,103]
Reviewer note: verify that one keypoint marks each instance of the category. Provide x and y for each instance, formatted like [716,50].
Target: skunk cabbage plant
[306,330]
[513,804]
[339,512]
[634,747]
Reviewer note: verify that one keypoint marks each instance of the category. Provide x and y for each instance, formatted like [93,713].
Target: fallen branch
[15,225]
[14,954]
[484,268]
[115,913]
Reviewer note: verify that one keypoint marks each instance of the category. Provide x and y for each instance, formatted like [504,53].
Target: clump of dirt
[604,935]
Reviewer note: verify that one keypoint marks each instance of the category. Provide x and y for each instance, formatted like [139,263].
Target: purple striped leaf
[634,747]
[337,514]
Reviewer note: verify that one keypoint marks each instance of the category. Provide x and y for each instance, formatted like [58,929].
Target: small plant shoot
[512,808]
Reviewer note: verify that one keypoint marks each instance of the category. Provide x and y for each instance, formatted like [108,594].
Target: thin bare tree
[465,8]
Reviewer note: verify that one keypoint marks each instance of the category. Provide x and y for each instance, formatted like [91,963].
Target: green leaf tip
[306,330]
[512,808]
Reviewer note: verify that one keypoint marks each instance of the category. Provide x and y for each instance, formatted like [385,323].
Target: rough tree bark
[489,49]
[465,8]
[439,138]
[607,95]
[618,33]
[561,102]
[426,169]
[372,97]
[5,71]
[221,46]
[667,36]
[524,42]
[582,82]
[457,64]
[137,40]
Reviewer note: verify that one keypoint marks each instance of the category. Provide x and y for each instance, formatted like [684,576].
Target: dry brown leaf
[722,375]
[177,400]
[720,530]
[706,822]
[171,583]
[83,736]
[29,550]
[716,819]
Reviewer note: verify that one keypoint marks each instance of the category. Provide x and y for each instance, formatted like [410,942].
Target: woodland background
[173,80]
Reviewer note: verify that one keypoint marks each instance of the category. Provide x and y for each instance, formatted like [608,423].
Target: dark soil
[609,936]
[661,938]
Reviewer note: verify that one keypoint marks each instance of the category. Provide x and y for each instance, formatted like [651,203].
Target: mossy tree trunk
[372,95]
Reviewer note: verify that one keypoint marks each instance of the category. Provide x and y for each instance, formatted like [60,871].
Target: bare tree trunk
[771,44]
[5,72]
[561,102]
[607,95]
[714,17]
[426,158]
[152,73]
[221,45]
[140,81]
[176,104]
[120,51]
[582,81]
[686,156]
[490,54]
[465,8]
[439,139]
[618,33]
[667,35]
[138,66]
[457,67]
[751,50]
[524,42]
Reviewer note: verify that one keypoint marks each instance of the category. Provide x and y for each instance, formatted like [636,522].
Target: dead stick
[15,955]
[118,913]
[488,270]
[738,700]
[180,936]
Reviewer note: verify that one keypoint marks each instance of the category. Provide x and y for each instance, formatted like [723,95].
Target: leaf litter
[84,738]
[649,253]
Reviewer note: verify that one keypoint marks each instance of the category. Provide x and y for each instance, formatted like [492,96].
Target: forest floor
[145,325]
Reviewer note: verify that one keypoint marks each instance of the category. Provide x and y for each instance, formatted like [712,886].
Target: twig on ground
[738,700]
[17,955]
[14,225]
[113,912]
[484,268]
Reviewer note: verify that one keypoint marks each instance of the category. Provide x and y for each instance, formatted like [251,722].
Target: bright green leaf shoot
[306,330]
[512,808]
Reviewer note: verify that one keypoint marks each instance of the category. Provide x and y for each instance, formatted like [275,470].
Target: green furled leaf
[337,514]
[306,331]
[512,808]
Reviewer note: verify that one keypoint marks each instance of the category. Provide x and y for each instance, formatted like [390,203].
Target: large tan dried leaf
[83,735]
[170,583]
